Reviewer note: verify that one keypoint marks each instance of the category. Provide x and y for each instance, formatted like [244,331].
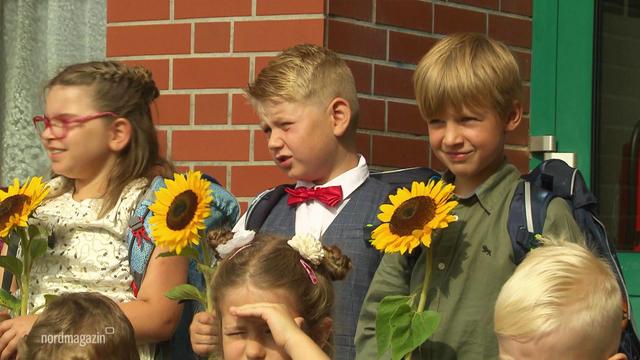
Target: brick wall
[203,52]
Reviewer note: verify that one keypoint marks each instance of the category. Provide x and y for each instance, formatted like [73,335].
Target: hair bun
[144,78]
[335,265]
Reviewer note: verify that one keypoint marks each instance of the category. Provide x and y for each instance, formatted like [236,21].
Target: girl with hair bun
[98,133]
[274,296]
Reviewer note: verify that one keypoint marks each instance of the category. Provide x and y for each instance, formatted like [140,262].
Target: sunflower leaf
[38,247]
[13,264]
[387,308]
[401,331]
[186,292]
[9,301]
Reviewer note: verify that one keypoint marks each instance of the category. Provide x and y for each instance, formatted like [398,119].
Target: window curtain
[38,38]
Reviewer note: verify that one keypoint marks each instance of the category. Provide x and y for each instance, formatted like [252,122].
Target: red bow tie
[330,195]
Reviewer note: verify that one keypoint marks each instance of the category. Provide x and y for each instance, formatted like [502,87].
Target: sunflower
[413,215]
[179,211]
[17,203]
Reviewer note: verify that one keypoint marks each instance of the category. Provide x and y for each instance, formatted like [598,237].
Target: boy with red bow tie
[306,99]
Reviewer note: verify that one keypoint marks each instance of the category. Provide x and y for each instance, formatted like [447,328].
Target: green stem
[425,288]
[207,286]
[26,269]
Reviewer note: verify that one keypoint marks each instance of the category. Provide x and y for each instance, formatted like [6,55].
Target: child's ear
[119,134]
[340,112]
[618,356]
[322,331]
[514,116]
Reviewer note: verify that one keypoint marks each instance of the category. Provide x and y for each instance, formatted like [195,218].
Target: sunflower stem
[25,244]
[425,288]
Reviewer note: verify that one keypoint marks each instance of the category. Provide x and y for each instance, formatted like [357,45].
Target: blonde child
[98,133]
[469,91]
[274,297]
[81,326]
[308,107]
[562,302]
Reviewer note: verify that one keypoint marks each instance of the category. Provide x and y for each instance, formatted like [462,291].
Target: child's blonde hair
[305,73]
[81,326]
[561,286]
[467,70]
[270,263]
[127,92]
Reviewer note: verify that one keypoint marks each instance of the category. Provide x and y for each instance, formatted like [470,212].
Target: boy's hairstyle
[306,73]
[270,263]
[80,326]
[467,70]
[127,92]
[561,287]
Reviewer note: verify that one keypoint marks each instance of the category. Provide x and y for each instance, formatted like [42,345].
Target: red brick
[510,30]
[408,48]
[252,180]
[356,9]
[519,158]
[173,109]
[520,136]
[356,39]
[261,63]
[398,152]
[449,20]
[372,113]
[182,169]
[276,35]
[148,39]
[363,146]
[487,4]
[242,112]
[362,74]
[524,63]
[522,7]
[217,172]
[127,10]
[207,8]
[393,81]
[203,73]
[526,99]
[211,109]
[260,148]
[201,145]
[281,7]
[212,37]
[162,142]
[408,14]
[244,205]
[159,69]
[405,118]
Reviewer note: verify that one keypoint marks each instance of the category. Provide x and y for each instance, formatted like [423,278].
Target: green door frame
[562,76]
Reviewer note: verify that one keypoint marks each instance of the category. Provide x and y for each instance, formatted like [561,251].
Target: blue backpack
[224,213]
[527,213]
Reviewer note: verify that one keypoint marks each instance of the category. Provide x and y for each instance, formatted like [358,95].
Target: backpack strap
[527,214]
[262,205]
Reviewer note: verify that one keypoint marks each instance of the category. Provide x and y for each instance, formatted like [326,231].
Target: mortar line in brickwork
[389,98]
[212,127]
[395,64]
[253,7]
[171,10]
[192,39]
[374,10]
[516,147]
[386,116]
[219,19]
[225,55]
[202,91]
[385,27]
[251,145]
[483,10]
[232,34]
[228,176]
[170,85]
[229,108]
[393,134]
[192,109]
[223,163]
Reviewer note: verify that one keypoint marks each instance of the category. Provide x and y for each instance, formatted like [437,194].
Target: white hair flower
[240,239]
[308,246]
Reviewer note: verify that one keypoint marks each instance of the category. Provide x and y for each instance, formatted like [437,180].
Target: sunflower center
[182,210]
[411,215]
[12,205]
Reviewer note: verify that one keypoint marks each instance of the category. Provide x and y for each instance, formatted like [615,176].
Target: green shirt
[472,259]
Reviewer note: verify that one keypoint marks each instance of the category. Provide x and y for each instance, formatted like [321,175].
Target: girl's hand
[285,329]
[204,333]
[11,332]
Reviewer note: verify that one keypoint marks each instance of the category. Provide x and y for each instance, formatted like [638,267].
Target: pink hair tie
[310,272]
[238,250]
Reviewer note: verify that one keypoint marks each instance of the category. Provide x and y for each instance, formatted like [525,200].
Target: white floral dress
[89,254]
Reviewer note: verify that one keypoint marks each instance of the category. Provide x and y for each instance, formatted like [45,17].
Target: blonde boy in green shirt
[468,89]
